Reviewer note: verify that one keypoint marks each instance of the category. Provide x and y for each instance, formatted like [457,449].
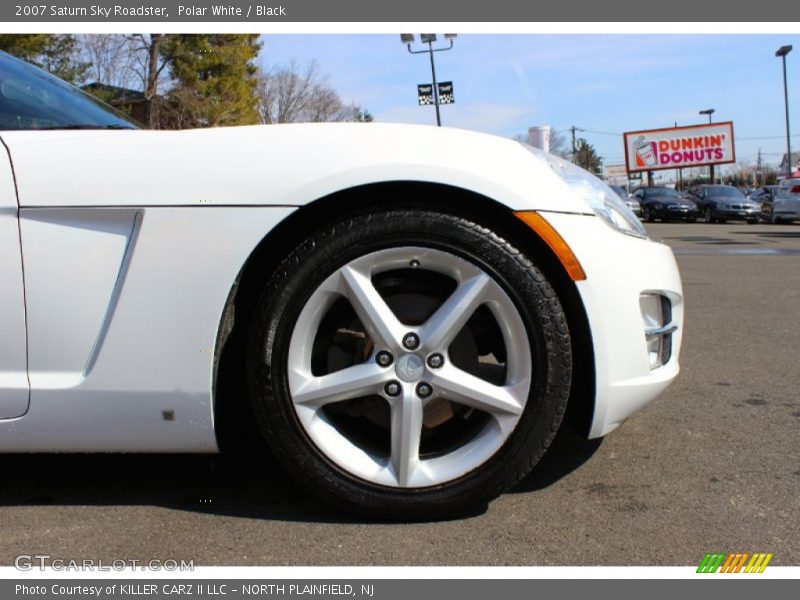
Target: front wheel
[708,215]
[409,364]
[649,215]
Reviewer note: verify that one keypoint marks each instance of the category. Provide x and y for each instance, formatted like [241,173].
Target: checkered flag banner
[425,94]
[446,93]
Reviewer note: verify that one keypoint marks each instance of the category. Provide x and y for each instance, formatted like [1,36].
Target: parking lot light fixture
[782,52]
[429,38]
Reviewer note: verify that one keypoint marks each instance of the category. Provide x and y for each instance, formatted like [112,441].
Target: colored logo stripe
[758,563]
[711,562]
[734,562]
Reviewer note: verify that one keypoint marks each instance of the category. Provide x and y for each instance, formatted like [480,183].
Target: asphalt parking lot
[713,464]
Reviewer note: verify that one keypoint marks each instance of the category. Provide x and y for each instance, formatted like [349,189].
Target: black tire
[648,215]
[708,215]
[691,220]
[752,221]
[296,278]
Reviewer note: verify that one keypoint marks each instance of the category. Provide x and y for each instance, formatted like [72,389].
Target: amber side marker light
[556,243]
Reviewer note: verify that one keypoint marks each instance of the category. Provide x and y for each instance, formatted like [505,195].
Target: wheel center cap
[409,367]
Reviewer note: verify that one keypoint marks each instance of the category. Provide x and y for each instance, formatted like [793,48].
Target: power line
[619,134]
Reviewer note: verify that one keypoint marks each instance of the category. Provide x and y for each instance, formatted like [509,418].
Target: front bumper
[734,214]
[668,213]
[619,268]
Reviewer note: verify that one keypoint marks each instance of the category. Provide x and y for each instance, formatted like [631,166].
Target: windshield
[724,192]
[664,193]
[33,99]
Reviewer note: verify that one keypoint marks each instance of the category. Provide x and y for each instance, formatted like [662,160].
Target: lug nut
[435,361]
[424,390]
[392,388]
[383,358]
[410,341]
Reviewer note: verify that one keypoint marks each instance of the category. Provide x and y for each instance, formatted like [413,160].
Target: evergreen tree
[586,157]
[214,79]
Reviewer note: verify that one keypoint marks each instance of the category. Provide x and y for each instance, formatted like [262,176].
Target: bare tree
[291,94]
[111,58]
[137,61]
[152,59]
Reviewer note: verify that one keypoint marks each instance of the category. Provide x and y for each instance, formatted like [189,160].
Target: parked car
[632,203]
[764,196]
[666,204]
[720,203]
[404,312]
[786,205]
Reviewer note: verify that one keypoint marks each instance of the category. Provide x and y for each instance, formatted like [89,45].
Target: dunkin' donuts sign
[679,147]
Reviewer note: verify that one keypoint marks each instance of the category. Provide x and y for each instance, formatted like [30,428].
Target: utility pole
[759,176]
[574,148]
[680,170]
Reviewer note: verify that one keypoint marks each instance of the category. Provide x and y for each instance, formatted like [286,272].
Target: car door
[14,390]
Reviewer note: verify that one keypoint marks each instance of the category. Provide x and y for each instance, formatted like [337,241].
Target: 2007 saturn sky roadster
[406,313]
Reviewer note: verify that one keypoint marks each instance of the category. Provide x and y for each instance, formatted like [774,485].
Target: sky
[605,84]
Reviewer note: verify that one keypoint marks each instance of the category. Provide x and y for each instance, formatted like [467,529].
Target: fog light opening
[658,327]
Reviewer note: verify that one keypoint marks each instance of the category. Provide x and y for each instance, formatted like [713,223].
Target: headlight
[601,198]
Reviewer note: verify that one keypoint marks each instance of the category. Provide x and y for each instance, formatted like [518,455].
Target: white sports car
[406,313]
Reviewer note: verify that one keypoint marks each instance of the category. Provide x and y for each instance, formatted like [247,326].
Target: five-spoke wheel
[409,359]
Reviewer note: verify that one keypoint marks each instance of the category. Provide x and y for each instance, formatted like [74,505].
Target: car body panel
[623,379]
[148,388]
[273,165]
[13,350]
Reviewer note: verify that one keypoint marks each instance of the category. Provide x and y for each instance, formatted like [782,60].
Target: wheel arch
[229,389]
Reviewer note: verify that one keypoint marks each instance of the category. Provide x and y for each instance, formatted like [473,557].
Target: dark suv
[665,204]
[720,203]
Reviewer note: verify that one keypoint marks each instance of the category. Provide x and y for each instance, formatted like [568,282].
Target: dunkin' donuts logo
[679,151]
[679,147]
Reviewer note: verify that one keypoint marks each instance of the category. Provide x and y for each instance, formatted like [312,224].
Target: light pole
[429,38]
[782,52]
[709,112]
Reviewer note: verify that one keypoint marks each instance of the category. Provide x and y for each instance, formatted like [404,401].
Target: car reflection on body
[632,203]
